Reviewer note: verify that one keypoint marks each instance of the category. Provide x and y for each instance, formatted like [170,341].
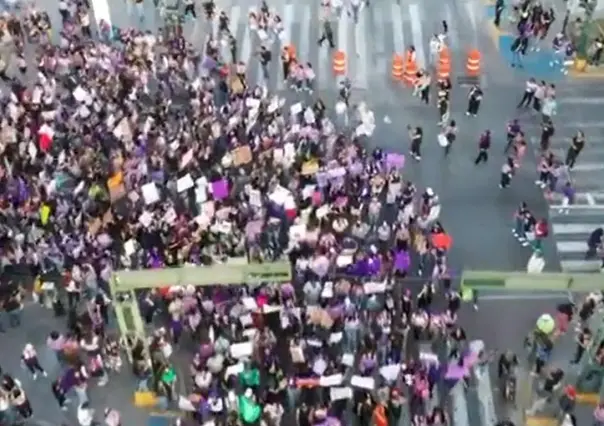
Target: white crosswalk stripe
[383,28]
[572,225]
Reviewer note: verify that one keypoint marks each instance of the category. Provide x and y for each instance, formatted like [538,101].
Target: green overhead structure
[494,281]
[235,272]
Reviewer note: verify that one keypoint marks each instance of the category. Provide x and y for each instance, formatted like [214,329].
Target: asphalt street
[475,211]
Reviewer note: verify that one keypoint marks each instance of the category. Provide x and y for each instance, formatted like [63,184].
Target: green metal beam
[517,281]
[226,274]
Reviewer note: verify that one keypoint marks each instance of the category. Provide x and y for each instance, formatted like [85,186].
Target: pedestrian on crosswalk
[355,6]
[484,144]
[309,76]
[576,146]
[190,9]
[223,23]
[327,34]
[233,47]
[265,57]
[286,61]
[209,8]
[474,99]
[416,135]
[337,6]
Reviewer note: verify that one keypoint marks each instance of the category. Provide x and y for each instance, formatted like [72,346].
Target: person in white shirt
[435,47]
[85,415]
[31,362]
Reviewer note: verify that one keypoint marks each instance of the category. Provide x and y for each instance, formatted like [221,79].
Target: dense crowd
[138,152]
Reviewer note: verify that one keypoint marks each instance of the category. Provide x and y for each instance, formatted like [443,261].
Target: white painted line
[472,15]
[588,167]
[418,38]
[581,196]
[453,36]
[246,44]
[580,100]
[577,207]
[324,75]
[581,265]
[379,33]
[304,42]
[520,297]
[288,21]
[573,228]
[343,37]
[587,124]
[361,60]
[571,246]
[397,29]
[590,199]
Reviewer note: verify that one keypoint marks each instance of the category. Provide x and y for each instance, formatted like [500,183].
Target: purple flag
[402,261]
[220,189]
[395,161]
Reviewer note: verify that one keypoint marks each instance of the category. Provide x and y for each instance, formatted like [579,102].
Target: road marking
[246,45]
[520,296]
[304,47]
[581,101]
[588,167]
[361,52]
[397,29]
[453,36]
[581,265]
[418,38]
[573,228]
[590,199]
[571,246]
[343,37]
[288,21]
[472,15]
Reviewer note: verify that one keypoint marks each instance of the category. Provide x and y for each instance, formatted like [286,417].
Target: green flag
[168,376]
[250,378]
[248,410]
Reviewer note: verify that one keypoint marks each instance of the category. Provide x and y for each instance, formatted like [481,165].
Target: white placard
[249,303]
[234,370]
[146,219]
[201,194]
[373,287]
[252,103]
[242,350]
[79,94]
[130,247]
[428,358]
[336,337]
[295,108]
[150,193]
[333,380]
[348,360]
[279,195]
[184,183]
[362,382]
[336,394]
[390,372]
[186,159]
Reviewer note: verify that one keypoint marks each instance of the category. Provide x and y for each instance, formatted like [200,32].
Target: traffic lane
[37,323]
[503,324]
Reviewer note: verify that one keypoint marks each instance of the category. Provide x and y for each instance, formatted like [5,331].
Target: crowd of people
[126,154]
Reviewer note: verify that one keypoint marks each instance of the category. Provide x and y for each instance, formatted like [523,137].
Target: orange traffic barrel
[444,64]
[410,75]
[473,63]
[397,67]
[339,63]
[291,51]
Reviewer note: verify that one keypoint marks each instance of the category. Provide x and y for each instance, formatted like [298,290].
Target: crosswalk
[572,226]
[382,29]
